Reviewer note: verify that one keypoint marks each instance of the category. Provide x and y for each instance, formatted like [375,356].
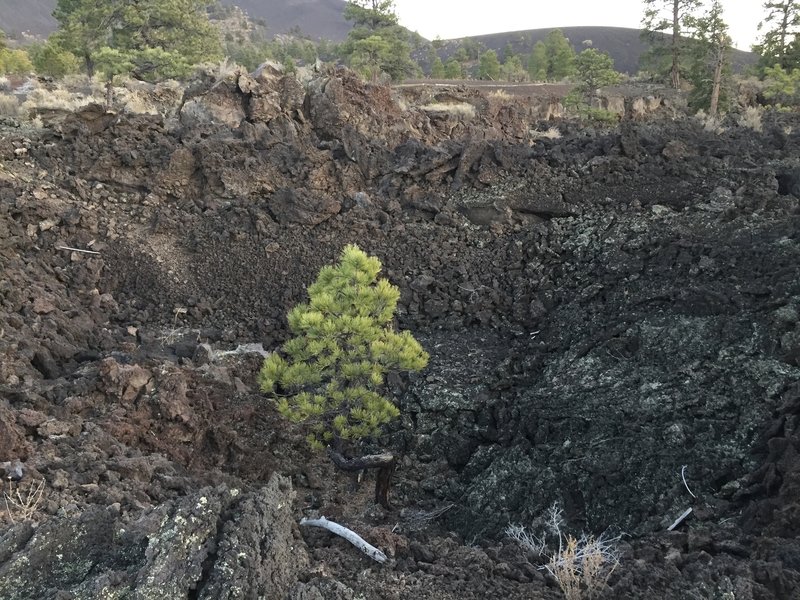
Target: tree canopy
[665,24]
[377,44]
[709,72]
[330,376]
[594,69]
[151,39]
[780,43]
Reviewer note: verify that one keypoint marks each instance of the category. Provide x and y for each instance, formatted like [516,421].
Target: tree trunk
[385,463]
[89,64]
[109,94]
[716,84]
[675,73]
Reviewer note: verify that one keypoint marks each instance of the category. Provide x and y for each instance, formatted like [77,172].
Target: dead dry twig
[22,504]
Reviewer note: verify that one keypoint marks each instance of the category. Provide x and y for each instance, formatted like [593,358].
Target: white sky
[458,18]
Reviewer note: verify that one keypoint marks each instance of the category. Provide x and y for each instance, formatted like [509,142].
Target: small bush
[551,134]
[9,105]
[58,99]
[15,62]
[333,377]
[751,118]
[581,566]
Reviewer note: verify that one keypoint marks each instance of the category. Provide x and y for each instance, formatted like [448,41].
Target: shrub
[15,62]
[751,118]
[782,86]
[344,346]
[581,566]
[9,105]
[52,60]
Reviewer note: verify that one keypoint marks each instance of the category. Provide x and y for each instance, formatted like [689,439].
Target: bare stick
[76,250]
[683,470]
[347,534]
[680,519]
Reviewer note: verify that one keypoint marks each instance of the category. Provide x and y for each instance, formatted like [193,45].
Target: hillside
[315,18]
[623,44]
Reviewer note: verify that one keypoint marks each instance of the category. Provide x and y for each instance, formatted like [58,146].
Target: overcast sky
[459,18]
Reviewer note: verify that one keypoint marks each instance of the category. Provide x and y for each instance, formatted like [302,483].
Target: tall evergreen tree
[710,60]
[670,18]
[593,70]
[560,56]
[390,53]
[489,66]
[780,44]
[537,62]
[158,38]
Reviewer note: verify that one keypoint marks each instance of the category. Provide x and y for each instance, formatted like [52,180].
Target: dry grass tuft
[499,94]
[58,99]
[551,134]
[459,109]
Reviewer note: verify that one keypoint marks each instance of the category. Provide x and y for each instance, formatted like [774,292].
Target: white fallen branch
[76,250]
[680,519]
[350,536]
[683,476]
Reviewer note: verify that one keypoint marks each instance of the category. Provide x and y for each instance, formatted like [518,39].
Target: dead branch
[76,250]
[349,535]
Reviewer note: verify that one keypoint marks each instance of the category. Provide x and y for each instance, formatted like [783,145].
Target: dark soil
[613,319]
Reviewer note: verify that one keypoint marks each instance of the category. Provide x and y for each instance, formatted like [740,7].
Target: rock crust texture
[613,317]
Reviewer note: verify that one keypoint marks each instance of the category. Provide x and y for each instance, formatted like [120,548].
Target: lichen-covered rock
[216,543]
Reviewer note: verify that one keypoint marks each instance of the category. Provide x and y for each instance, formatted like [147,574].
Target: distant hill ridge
[324,19]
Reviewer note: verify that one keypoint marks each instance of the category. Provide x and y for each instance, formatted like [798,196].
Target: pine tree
[560,56]
[437,67]
[390,53]
[710,61]
[489,66]
[159,38]
[453,69]
[537,63]
[593,70]
[344,346]
[331,375]
[667,17]
[780,45]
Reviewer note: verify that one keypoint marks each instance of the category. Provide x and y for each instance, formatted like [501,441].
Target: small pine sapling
[330,377]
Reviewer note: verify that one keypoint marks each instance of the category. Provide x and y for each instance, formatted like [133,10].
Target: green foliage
[14,62]
[538,63]
[335,367]
[158,38]
[593,70]
[780,44]
[489,67]
[453,69]
[560,56]
[709,62]
[782,86]
[513,70]
[52,59]
[664,26]
[437,67]
[552,59]
[377,44]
